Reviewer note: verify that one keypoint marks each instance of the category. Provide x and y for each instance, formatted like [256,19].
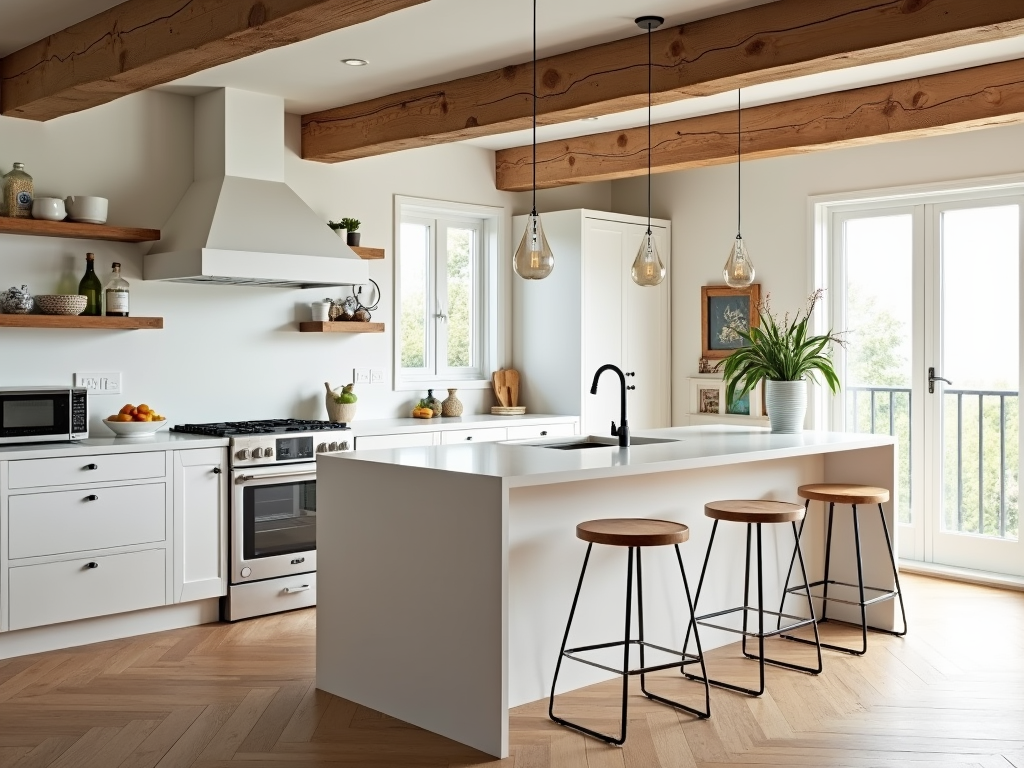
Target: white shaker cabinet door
[200,524]
[603,322]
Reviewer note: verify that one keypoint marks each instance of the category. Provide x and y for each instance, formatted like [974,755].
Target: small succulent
[350,225]
[336,225]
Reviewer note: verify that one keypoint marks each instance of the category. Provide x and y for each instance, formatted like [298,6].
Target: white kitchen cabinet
[541,430]
[200,524]
[95,468]
[479,435]
[589,312]
[407,440]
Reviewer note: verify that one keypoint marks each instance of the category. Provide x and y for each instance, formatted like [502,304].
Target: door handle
[216,470]
[932,378]
[303,588]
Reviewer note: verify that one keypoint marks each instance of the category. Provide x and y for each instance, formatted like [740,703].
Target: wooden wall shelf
[78,321]
[340,327]
[76,230]
[368,253]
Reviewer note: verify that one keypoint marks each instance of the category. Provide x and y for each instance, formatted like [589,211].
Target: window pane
[879,319]
[461,279]
[413,300]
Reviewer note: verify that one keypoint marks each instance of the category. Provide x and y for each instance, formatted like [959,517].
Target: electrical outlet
[100,383]
[376,376]
[360,375]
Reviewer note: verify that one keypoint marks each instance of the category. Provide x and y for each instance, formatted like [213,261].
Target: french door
[929,292]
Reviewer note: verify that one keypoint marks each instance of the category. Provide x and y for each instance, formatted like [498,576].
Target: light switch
[108,383]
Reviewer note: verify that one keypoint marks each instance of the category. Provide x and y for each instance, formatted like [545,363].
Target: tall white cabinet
[589,312]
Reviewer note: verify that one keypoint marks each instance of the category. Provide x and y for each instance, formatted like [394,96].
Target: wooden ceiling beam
[966,99]
[778,40]
[142,43]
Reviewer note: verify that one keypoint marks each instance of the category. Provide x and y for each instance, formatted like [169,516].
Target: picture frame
[708,397]
[723,311]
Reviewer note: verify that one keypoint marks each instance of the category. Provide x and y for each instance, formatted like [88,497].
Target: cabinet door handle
[93,564]
[92,497]
[470,437]
[216,470]
[92,466]
[543,433]
[303,588]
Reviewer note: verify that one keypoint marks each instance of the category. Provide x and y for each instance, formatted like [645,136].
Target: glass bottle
[17,193]
[91,288]
[117,293]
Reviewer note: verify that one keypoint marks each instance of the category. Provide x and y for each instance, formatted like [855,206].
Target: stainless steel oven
[43,414]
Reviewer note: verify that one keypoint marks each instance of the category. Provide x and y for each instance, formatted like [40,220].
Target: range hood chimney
[239,223]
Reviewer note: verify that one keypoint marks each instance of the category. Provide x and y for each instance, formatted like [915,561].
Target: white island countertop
[523,463]
[161,441]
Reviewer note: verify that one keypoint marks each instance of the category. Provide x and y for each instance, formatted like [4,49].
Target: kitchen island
[446,572]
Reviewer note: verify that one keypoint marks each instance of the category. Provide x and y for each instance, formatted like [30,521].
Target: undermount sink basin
[596,441]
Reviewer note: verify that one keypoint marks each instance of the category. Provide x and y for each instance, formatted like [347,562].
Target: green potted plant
[338,227]
[783,354]
[352,227]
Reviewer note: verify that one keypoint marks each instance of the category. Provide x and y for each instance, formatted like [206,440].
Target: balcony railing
[980,453]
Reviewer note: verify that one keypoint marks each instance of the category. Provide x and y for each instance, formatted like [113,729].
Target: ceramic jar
[18,192]
[452,406]
[15,301]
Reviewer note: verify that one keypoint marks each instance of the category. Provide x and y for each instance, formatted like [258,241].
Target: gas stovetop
[270,427]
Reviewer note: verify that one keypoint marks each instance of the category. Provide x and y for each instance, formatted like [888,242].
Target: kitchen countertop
[443,423]
[522,463]
[161,441]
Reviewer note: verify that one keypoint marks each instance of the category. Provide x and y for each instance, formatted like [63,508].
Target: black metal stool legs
[626,642]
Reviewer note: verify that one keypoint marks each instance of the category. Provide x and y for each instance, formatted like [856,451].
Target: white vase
[787,404]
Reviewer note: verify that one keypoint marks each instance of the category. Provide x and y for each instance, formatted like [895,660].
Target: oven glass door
[35,415]
[278,518]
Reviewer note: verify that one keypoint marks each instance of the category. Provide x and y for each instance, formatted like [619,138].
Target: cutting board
[506,387]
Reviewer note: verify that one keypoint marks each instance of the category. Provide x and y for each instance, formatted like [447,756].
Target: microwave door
[35,417]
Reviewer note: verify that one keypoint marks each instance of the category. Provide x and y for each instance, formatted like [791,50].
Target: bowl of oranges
[135,421]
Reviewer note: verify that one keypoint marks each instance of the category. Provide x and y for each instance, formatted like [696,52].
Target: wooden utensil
[512,382]
[500,388]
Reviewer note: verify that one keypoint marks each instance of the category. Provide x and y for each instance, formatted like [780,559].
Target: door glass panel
[461,248]
[879,321]
[415,247]
[980,324]
[278,519]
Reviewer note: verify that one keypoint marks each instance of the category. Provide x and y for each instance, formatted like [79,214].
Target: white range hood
[239,223]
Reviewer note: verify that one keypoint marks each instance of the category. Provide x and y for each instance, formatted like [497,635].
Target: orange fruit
[144,408]
[127,408]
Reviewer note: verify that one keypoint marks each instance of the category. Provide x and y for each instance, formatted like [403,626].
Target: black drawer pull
[92,466]
[93,564]
[298,560]
[216,470]
[470,437]
[544,433]
[92,497]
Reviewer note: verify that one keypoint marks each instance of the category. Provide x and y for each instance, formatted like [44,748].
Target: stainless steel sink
[600,441]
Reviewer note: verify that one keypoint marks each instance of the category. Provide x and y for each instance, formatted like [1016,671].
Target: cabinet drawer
[78,521]
[541,430]
[66,591]
[488,435]
[38,473]
[411,440]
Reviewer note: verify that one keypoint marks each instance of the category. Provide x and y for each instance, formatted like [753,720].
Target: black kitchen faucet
[622,431]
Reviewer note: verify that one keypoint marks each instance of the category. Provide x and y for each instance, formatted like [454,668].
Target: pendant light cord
[534,108]
[739,163]
[650,60]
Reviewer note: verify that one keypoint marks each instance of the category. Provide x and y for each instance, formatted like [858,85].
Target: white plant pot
[787,405]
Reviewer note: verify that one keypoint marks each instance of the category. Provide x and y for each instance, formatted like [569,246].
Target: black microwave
[43,414]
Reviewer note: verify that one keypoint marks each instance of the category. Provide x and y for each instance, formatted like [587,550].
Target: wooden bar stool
[836,493]
[755,514]
[634,534]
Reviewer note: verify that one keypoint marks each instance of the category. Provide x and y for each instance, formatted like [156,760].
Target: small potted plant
[786,357]
[352,227]
[338,227]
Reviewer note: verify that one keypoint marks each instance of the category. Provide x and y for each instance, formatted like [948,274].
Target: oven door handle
[271,476]
[290,590]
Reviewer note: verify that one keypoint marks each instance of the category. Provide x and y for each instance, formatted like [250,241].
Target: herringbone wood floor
[950,694]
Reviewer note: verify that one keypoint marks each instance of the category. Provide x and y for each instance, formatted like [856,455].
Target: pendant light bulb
[648,269]
[533,260]
[739,269]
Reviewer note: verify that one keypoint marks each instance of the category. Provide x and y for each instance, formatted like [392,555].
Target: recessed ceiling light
[355,62]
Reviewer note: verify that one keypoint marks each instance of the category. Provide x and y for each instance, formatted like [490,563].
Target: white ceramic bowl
[48,209]
[61,305]
[135,428]
[92,210]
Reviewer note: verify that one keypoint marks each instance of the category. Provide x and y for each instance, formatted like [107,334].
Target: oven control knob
[246,572]
[268,452]
[343,446]
[243,454]
[257,453]
[322,448]
[334,447]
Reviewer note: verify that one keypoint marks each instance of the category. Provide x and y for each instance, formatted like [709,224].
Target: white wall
[702,206]
[226,352]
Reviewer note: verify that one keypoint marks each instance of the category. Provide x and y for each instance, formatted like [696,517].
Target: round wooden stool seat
[746,511]
[632,532]
[843,493]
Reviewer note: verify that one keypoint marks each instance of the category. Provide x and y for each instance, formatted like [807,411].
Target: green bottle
[91,288]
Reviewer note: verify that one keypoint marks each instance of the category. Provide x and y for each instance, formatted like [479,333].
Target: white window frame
[489,342]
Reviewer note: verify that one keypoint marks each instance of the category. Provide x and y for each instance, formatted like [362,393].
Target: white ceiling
[443,39]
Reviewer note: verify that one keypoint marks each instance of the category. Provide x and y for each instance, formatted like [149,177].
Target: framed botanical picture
[707,396]
[723,312]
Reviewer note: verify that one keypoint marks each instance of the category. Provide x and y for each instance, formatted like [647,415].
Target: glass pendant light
[648,269]
[533,259]
[739,269]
